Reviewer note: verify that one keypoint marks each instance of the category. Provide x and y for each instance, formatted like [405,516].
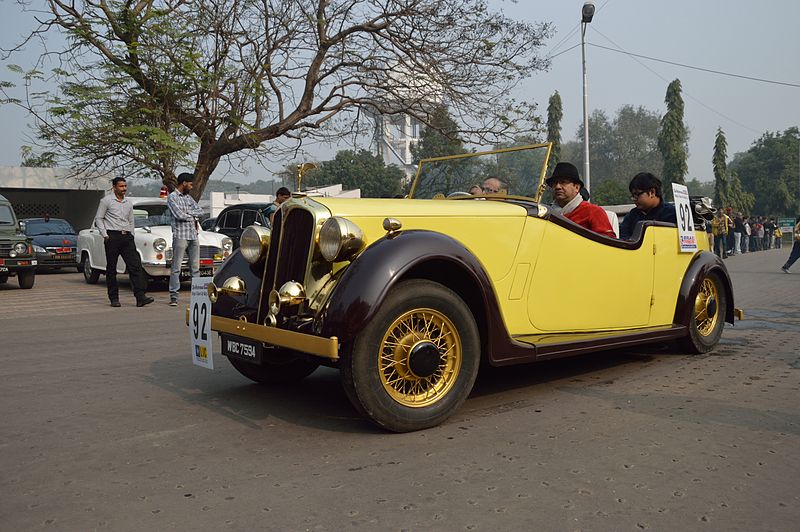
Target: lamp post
[587,12]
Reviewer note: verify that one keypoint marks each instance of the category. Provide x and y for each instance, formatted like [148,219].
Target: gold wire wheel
[706,308]
[420,357]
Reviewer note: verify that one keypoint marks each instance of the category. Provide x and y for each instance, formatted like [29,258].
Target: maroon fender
[702,264]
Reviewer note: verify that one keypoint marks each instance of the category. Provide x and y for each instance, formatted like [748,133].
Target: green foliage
[45,159]
[769,171]
[611,192]
[699,188]
[673,139]
[618,149]
[357,169]
[554,116]
[720,164]
[440,138]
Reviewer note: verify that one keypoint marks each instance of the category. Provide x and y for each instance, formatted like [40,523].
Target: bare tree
[153,84]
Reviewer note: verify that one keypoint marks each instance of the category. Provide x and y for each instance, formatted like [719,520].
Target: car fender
[701,265]
[370,277]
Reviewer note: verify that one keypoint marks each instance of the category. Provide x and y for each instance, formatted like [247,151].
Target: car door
[231,225]
[584,284]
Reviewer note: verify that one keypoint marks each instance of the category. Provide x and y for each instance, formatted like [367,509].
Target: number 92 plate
[241,348]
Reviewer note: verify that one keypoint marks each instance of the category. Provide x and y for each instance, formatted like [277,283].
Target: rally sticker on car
[687,239]
[200,323]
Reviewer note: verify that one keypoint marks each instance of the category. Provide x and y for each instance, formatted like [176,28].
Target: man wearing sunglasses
[650,205]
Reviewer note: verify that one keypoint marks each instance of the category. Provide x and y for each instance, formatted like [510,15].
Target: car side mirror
[147,229]
[216,229]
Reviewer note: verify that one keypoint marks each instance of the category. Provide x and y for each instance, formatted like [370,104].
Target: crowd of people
[736,234]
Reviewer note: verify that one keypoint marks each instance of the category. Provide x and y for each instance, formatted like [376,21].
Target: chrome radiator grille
[289,250]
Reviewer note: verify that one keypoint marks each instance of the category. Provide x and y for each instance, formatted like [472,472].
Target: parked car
[153,237]
[408,298]
[16,250]
[208,223]
[55,242]
[236,218]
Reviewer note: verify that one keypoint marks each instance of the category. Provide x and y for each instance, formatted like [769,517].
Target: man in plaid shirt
[185,216]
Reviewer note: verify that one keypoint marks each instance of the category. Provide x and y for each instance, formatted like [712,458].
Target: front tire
[708,316]
[3,278]
[90,275]
[26,278]
[415,362]
[278,366]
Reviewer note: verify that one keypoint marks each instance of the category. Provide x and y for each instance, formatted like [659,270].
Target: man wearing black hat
[566,184]
[646,193]
[185,216]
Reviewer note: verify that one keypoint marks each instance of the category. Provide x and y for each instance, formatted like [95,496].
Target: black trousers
[119,245]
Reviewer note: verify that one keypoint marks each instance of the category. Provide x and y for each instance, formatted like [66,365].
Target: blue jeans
[180,246]
[793,255]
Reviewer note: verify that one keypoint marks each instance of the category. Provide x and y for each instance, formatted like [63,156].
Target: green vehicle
[16,250]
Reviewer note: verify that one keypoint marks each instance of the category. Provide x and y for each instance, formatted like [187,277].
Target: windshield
[519,171]
[151,215]
[6,216]
[50,227]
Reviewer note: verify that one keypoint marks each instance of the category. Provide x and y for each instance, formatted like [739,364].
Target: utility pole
[587,12]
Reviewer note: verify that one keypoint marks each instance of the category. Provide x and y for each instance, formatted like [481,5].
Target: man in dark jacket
[646,193]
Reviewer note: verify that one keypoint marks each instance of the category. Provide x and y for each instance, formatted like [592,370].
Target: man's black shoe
[115,304]
[144,301]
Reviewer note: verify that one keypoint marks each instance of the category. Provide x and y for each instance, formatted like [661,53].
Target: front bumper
[162,269]
[305,343]
[15,265]
[56,259]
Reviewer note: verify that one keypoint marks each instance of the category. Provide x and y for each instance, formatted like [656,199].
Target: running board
[568,344]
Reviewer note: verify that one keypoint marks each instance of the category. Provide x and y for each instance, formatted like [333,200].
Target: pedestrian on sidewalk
[795,253]
[114,220]
[186,214]
[719,227]
[738,231]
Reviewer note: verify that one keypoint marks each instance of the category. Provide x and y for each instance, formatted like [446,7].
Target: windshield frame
[542,174]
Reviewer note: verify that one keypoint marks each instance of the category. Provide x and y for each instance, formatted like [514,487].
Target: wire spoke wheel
[706,307]
[420,357]
[415,362]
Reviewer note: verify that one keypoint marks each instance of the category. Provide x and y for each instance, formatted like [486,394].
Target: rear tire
[707,317]
[278,366]
[26,278]
[415,362]
[90,275]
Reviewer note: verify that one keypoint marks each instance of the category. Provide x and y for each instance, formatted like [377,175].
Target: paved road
[106,425]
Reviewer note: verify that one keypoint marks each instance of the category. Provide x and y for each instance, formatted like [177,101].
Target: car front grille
[5,249]
[289,252]
[206,253]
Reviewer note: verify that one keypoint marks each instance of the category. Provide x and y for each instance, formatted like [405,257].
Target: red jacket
[592,217]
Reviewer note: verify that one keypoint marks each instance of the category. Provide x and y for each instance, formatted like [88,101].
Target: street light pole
[586,17]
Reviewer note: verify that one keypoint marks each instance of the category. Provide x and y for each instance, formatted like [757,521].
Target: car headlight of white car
[159,244]
[227,244]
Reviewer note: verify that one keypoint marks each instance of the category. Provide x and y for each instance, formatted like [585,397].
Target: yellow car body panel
[491,230]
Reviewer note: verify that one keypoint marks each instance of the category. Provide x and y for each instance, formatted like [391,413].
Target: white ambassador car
[153,237]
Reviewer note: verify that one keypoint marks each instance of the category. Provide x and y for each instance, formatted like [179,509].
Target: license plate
[3,269]
[62,257]
[241,348]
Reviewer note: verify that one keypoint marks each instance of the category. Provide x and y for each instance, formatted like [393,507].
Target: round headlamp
[340,239]
[254,243]
[20,248]
[159,244]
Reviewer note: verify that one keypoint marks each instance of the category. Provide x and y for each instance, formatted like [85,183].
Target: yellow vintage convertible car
[407,297]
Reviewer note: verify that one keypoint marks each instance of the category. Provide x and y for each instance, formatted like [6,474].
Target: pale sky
[748,38]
